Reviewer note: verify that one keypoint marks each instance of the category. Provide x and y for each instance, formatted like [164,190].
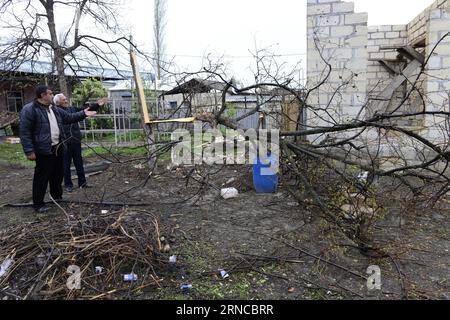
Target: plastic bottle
[130,277]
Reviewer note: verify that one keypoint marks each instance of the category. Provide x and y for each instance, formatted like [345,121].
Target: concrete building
[379,69]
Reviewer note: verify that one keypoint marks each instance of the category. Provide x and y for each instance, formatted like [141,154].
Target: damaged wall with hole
[372,69]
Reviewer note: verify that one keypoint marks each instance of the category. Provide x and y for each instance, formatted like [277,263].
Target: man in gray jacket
[42,137]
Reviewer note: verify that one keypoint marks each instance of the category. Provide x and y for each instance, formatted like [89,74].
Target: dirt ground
[270,246]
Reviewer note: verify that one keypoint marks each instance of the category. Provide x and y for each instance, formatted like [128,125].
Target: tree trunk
[57,50]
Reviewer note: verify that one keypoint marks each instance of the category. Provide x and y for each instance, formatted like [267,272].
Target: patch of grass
[13,153]
[121,151]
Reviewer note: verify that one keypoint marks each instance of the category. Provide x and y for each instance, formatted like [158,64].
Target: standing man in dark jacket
[73,142]
[42,135]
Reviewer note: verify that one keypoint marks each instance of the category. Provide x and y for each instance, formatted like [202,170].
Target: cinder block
[377,35]
[341,31]
[376,55]
[399,27]
[435,14]
[358,65]
[359,41]
[343,7]
[397,42]
[446,83]
[439,25]
[392,35]
[322,32]
[362,30]
[385,28]
[344,53]
[318,9]
[356,18]
[360,53]
[433,86]
[446,63]
[328,20]
[442,49]
[390,55]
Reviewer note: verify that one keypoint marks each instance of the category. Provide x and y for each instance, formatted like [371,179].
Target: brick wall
[347,44]
[417,28]
[438,73]
[339,34]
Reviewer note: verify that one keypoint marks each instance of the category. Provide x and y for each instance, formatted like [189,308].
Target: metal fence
[120,122]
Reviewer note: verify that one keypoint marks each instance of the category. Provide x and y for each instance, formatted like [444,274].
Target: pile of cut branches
[47,258]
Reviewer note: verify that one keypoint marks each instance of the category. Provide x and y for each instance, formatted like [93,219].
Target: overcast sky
[232,28]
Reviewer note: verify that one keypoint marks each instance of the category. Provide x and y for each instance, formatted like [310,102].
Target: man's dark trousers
[49,170]
[73,151]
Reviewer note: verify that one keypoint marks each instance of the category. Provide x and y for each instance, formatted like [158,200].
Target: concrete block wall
[417,28]
[438,74]
[339,35]
[346,43]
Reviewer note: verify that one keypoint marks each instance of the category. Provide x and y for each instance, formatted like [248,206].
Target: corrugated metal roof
[43,67]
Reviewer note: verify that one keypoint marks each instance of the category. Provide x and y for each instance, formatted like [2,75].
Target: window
[14,101]
[173,104]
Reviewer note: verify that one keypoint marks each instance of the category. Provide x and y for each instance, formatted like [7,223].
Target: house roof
[196,85]
[7,118]
[44,67]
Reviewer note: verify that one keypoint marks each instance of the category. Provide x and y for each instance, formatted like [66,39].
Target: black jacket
[35,134]
[72,131]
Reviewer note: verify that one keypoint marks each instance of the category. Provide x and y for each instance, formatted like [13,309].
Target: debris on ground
[4,267]
[119,241]
[186,286]
[130,277]
[229,193]
[224,274]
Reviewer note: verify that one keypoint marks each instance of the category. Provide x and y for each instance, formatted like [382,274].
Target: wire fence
[120,122]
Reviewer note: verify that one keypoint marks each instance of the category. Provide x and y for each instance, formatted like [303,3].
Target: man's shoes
[42,209]
[69,189]
[85,186]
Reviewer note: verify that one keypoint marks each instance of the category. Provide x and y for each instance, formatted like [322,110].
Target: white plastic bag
[228,193]
[5,266]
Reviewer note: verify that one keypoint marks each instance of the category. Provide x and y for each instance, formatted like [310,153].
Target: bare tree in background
[34,34]
[160,10]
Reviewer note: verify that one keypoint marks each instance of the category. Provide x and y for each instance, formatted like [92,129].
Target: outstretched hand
[102,101]
[89,113]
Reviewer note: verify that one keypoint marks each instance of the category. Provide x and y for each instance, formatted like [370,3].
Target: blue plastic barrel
[265,176]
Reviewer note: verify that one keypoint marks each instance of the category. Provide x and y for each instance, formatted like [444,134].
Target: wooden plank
[181,120]
[139,87]
[411,53]
[407,51]
[409,71]
[390,67]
